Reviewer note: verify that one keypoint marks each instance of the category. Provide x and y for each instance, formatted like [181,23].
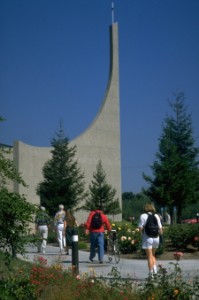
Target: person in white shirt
[168,219]
[150,244]
[60,223]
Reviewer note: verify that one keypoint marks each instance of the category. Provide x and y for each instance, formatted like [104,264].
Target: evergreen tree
[175,181]
[101,194]
[63,180]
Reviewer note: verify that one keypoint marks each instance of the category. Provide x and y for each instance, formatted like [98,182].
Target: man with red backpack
[95,225]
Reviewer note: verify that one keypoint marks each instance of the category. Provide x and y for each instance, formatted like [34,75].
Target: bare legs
[151,260]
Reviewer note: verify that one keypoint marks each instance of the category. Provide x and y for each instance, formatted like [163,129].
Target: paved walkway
[134,268]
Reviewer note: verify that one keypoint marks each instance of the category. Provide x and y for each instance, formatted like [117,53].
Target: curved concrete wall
[101,141]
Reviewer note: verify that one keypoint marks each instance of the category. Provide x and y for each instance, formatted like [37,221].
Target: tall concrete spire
[100,141]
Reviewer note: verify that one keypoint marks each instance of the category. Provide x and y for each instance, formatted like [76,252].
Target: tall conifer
[101,194]
[63,180]
[175,180]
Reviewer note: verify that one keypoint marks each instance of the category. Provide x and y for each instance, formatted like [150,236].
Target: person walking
[71,223]
[60,224]
[167,218]
[95,226]
[150,242]
[42,223]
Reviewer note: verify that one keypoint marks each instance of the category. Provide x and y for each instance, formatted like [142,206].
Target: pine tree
[175,181]
[101,194]
[63,180]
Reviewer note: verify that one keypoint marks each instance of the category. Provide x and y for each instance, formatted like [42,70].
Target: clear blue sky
[54,65]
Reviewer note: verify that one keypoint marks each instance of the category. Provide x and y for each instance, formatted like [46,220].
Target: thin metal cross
[112,9]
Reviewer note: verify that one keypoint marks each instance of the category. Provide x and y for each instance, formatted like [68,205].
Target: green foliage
[101,194]
[15,212]
[37,281]
[82,245]
[17,288]
[15,215]
[189,212]
[41,282]
[52,237]
[82,234]
[14,281]
[63,179]
[8,170]
[182,235]
[132,206]
[195,241]
[128,236]
[175,170]
[169,284]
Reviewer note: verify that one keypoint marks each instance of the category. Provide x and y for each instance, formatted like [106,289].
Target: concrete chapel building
[100,141]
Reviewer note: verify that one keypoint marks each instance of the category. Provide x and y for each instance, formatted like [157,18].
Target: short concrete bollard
[75,256]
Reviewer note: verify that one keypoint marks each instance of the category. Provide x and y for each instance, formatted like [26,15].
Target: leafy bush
[128,236]
[37,281]
[52,237]
[16,214]
[81,232]
[195,241]
[169,284]
[82,245]
[182,235]
[17,288]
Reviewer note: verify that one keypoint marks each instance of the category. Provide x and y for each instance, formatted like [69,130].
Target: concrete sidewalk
[135,269]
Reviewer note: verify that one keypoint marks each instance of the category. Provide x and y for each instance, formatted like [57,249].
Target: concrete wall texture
[101,141]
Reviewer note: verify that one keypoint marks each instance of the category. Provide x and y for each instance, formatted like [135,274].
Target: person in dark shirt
[42,223]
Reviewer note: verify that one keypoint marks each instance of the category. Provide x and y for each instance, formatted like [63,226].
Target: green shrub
[83,245]
[37,281]
[182,235]
[169,285]
[18,287]
[128,236]
[52,237]
[81,233]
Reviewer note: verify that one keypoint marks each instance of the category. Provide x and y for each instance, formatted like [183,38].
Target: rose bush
[128,237]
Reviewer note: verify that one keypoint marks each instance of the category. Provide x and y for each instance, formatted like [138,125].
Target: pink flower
[178,255]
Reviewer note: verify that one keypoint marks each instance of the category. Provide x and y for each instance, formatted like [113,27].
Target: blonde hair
[149,207]
[61,207]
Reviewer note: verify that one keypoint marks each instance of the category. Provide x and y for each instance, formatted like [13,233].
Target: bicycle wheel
[116,252]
